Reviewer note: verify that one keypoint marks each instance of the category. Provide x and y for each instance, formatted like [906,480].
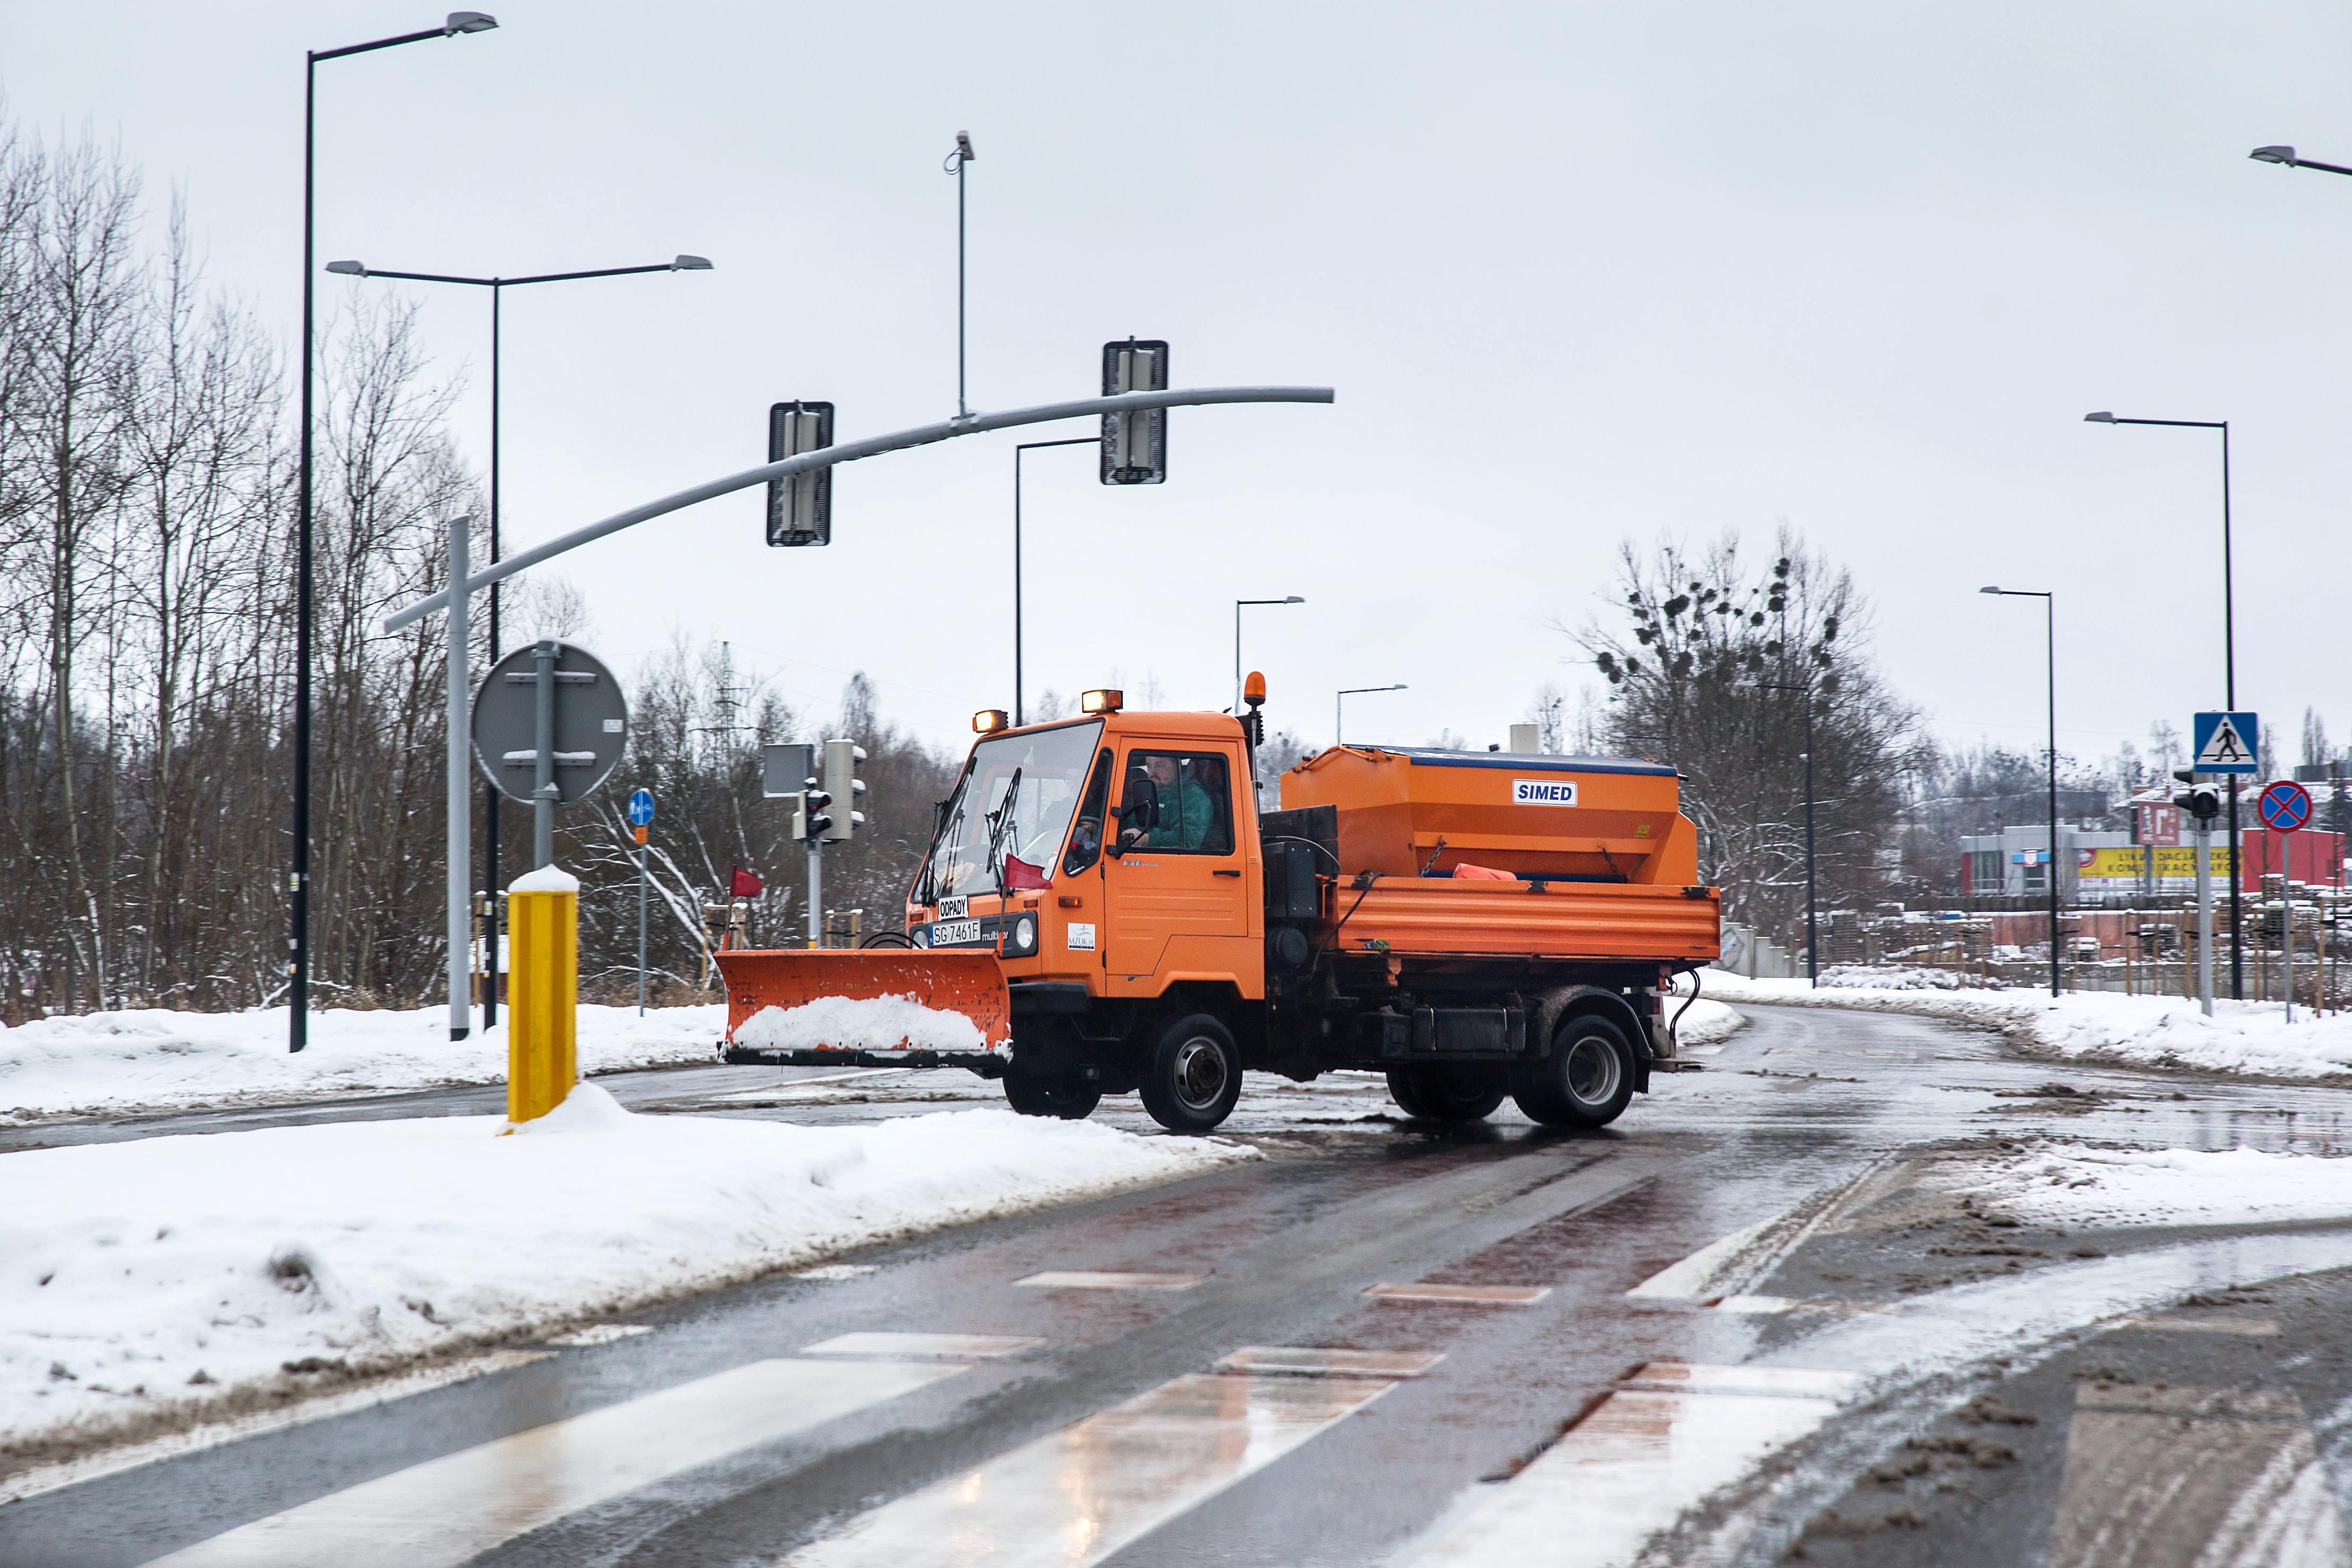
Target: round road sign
[592,722]
[641,808]
[2285,805]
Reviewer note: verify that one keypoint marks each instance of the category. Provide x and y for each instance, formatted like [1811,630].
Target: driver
[1184,808]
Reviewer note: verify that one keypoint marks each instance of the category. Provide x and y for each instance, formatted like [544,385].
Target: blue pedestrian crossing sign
[641,808]
[2227,743]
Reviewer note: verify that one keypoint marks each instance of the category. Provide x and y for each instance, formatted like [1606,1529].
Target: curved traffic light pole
[849,452]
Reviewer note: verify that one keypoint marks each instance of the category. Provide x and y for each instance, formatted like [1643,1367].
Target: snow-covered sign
[2227,743]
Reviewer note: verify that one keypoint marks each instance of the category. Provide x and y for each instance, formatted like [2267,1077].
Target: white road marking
[1758,1305]
[2257,1327]
[596,1335]
[1631,1467]
[838,1272]
[1308,1362]
[770,1091]
[1799,1381]
[448,1511]
[1078,1496]
[1475,1295]
[2192,1478]
[923,1346]
[1089,1280]
[114,1461]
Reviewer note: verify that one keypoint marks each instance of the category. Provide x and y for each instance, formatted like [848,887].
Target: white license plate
[955,933]
[954,907]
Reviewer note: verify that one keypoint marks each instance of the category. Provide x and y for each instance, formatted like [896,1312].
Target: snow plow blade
[969,983]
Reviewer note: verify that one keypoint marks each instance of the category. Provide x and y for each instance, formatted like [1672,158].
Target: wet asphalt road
[1814,1115]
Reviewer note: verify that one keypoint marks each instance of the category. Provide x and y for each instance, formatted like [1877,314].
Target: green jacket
[1186,817]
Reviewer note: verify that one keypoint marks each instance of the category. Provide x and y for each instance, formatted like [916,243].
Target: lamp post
[1813,885]
[2228,642]
[956,160]
[498,288]
[2049,605]
[1339,731]
[2286,155]
[1095,441]
[298,997]
[1294,598]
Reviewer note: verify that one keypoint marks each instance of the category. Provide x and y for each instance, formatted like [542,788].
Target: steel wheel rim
[1200,1074]
[1592,1071]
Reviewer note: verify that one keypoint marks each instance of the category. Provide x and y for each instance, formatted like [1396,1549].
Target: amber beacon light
[987,721]
[1106,701]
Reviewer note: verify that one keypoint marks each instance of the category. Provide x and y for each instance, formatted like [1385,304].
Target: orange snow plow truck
[1104,910]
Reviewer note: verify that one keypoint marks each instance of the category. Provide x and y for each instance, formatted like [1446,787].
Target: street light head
[1294,598]
[964,153]
[2272,155]
[690,264]
[469,22]
[1988,590]
[348,268]
[2102,417]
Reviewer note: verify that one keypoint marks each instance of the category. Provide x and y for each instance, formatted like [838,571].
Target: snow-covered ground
[155,1059]
[1707,1022]
[2075,1184]
[180,1270]
[2096,1026]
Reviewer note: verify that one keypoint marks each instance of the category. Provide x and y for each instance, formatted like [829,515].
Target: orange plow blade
[968,983]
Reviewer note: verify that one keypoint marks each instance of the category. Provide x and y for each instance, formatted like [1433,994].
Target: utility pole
[962,155]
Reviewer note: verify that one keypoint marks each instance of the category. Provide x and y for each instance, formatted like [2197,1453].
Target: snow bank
[155,1059]
[2073,1185]
[2095,1026]
[135,1276]
[1707,1021]
[859,1023]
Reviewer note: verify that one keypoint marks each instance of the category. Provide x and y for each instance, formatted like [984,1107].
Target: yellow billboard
[2130,864]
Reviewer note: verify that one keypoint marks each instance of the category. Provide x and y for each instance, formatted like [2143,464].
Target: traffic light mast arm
[923,436]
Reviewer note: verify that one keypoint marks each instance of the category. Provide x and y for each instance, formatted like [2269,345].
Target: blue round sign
[641,808]
[2285,807]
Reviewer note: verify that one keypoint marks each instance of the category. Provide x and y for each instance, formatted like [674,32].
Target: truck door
[1178,899]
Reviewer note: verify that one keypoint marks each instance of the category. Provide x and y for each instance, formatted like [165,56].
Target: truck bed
[1444,918]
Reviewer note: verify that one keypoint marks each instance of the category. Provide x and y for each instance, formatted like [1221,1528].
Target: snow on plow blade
[874,1007]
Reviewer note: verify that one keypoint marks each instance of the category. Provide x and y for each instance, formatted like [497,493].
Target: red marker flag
[743,885]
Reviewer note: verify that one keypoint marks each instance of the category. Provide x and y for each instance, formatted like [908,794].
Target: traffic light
[841,783]
[809,818]
[800,509]
[1135,443]
[2203,804]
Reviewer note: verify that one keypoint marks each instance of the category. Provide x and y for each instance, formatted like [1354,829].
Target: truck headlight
[1022,939]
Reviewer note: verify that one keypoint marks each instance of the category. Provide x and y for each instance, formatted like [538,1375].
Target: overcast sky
[1580,273]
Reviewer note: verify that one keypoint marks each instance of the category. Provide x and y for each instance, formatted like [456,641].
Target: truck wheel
[1194,1075]
[1586,1080]
[1443,1094]
[1065,1095]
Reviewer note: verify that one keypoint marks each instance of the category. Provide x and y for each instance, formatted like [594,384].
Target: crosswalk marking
[924,1346]
[1631,1467]
[1475,1295]
[448,1511]
[237,1428]
[1313,1362]
[1100,1280]
[2175,1477]
[1076,1497]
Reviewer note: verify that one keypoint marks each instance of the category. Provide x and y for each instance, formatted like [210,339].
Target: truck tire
[1445,1094]
[1065,1095]
[1193,1075]
[1585,1080]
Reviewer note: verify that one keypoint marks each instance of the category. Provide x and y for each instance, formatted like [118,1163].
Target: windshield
[1043,772]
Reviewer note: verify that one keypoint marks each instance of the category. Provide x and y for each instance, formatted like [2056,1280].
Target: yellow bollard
[542,992]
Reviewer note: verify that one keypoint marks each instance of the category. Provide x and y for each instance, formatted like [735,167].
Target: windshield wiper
[999,821]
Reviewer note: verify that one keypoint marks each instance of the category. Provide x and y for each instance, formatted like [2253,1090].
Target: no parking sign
[2285,805]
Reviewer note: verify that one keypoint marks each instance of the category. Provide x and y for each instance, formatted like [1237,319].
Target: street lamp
[1338,732]
[2228,642]
[2286,155]
[1026,446]
[498,288]
[2050,604]
[1294,598]
[298,997]
[1813,885]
